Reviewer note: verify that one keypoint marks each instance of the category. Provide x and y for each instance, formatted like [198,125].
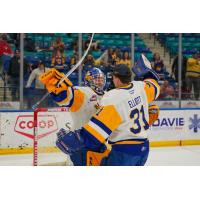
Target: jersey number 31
[139,120]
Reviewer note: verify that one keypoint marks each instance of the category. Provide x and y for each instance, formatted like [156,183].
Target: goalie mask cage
[47,122]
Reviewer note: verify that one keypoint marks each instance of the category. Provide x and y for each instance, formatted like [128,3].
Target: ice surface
[160,156]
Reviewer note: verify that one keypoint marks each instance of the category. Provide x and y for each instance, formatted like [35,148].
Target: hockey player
[120,126]
[83,102]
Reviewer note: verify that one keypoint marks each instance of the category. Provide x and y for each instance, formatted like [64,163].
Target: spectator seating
[190,43]
[121,41]
[107,40]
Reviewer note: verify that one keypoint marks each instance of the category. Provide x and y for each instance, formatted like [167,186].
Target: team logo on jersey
[97,106]
[93,98]
[195,123]
[99,111]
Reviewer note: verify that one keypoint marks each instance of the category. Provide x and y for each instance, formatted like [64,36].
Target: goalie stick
[68,73]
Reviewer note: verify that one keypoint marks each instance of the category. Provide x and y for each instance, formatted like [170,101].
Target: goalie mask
[96,80]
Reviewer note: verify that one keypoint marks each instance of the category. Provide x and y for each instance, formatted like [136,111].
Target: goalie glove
[143,69]
[51,79]
[154,112]
[69,142]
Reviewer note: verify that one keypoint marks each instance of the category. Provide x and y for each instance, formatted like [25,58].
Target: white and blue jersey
[123,117]
[83,102]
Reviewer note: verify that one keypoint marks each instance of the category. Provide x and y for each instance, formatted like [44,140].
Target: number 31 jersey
[124,113]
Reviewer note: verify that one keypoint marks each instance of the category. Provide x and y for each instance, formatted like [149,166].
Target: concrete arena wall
[174,127]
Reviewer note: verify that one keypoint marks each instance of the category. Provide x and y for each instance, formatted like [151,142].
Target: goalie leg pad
[79,158]
[88,158]
[95,158]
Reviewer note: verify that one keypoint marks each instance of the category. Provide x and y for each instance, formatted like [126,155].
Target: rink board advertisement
[177,124]
[16,128]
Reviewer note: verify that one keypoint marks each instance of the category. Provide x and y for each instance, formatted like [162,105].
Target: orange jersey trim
[152,89]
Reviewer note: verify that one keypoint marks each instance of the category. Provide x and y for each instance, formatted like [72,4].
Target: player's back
[132,106]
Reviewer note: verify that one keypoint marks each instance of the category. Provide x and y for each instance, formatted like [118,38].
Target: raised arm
[64,94]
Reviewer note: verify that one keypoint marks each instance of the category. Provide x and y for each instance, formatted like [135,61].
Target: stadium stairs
[8,92]
[154,45]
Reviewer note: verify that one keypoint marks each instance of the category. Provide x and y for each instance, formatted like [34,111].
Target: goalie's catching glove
[51,79]
[154,112]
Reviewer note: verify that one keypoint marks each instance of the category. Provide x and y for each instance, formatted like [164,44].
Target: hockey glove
[154,112]
[51,79]
[143,69]
[69,142]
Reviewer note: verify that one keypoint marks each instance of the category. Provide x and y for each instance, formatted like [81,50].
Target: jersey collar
[127,87]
